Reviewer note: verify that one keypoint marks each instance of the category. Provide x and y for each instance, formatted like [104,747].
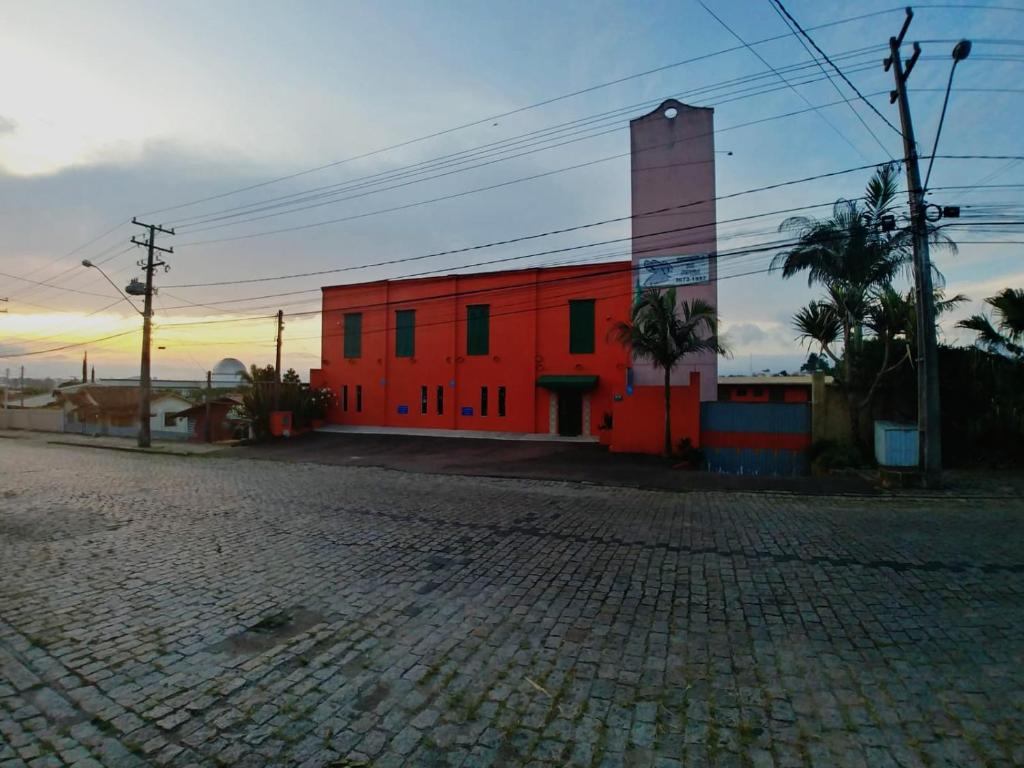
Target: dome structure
[229,368]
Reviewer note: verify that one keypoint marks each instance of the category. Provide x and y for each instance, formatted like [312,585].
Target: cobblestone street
[161,610]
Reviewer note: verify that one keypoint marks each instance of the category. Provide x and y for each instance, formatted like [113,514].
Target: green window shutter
[405,333]
[581,326]
[354,334]
[478,329]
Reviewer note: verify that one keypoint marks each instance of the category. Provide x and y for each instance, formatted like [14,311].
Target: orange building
[528,351]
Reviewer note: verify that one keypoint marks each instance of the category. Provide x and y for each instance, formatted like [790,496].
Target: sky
[110,110]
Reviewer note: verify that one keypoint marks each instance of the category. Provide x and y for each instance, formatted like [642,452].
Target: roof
[226,401]
[109,399]
[567,382]
[770,381]
[490,273]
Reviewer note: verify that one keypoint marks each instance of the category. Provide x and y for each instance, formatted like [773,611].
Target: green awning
[567,382]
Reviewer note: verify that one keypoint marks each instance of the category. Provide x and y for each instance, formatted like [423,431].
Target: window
[170,420]
[776,394]
[440,400]
[405,333]
[423,399]
[483,401]
[478,329]
[741,391]
[344,397]
[353,334]
[359,398]
[758,391]
[501,401]
[581,326]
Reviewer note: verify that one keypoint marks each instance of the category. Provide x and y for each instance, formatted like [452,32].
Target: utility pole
[929,423]
[277,361]
[21,387]
[149,265]
[4,300]
[208,428]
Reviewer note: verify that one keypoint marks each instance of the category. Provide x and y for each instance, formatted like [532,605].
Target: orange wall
[529,337]
[639,419]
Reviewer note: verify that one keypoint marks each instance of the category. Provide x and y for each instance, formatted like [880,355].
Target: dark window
[776,394]
[405,333]
[423,399]
[478,329]
[581,326]
[483,401]
[741,392]
[359,398]
[170,420]
[344,397]
[758,391]
[440,400]
[354,334]
[501,401]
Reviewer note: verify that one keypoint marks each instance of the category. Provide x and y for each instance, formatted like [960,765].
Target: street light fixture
[960,52]
[91,265]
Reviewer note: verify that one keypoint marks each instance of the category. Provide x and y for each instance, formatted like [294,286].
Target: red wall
[639,419]
[791,393]
[529,337]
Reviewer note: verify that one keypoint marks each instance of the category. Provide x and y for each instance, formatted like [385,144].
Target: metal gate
[756,438]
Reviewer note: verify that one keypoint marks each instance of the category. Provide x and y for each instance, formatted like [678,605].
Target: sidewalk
[162,447]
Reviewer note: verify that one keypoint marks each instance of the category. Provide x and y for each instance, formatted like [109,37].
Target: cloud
[7,125]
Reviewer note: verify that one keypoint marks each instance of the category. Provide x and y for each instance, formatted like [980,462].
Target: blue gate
[756,438]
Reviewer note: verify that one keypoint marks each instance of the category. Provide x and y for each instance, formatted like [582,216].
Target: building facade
[526,351]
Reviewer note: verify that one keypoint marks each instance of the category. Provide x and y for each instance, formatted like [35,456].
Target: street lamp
[90,265]
[960,52]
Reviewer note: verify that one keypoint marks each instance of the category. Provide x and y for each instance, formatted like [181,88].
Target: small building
[104,410]
[765,389]
[527,351]
[227,422]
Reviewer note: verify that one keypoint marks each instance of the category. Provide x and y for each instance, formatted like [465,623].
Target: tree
[291,377]
[816,362]
[663,333]
[855,261]
[1008,333]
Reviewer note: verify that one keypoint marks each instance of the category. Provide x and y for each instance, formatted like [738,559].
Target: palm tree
[855,261]
[663,333]
[1008,333]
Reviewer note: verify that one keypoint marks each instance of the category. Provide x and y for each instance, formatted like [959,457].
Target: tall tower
[673,167]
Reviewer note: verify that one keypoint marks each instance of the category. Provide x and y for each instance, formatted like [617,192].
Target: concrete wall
[41,420]
[673,166]
[830,414]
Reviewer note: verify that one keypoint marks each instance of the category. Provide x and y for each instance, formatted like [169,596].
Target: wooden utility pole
[928,415]
[208,430]
[277,361]
[21,388]
[149,265]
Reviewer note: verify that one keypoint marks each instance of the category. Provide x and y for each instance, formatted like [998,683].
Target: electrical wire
[508,113]
[833,83]
[807,101]
[840,72]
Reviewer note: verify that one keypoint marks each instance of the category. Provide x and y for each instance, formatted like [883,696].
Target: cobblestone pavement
[175,611]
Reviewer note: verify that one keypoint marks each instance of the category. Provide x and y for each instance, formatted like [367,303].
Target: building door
[570,412]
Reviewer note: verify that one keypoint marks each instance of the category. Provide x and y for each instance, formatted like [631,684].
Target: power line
[508,113]
[509,241]
[464,193]
[836,68]
[492,148]
[838,90]
[764,61]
